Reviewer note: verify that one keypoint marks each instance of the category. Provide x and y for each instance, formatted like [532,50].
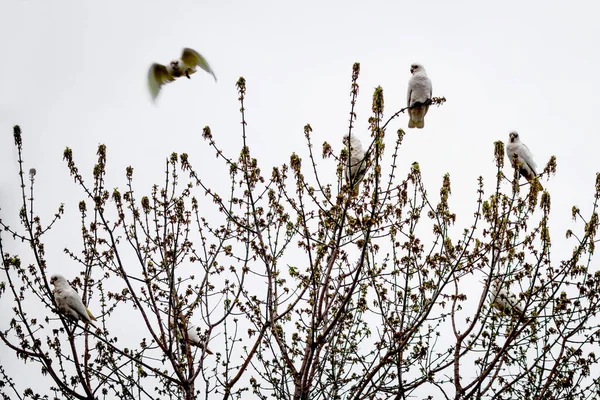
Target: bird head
[175,65]
[514,137]
[57,280]
[414,68]
[355,143]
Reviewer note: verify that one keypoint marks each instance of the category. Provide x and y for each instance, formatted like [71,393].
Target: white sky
[73,73]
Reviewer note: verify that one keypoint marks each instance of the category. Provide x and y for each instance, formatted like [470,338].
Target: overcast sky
[73,73]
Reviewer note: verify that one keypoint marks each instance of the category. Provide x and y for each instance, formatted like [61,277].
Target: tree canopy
[296,282]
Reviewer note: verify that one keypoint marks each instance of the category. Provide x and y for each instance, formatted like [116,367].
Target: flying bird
[68,301]
[418,96]
[523,160]
[358,163]
[159,74]
[193,334]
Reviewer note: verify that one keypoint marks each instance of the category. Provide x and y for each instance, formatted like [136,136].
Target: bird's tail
[416,123]
[416,117]
[537,184]
[89,313]
[355,189]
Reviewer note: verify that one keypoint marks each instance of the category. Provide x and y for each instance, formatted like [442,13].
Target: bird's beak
[412,70]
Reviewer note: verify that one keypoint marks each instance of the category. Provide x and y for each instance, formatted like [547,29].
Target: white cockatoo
[359,163]
[504,301]
[159,74]
[524,159]
[193,333]
[68,301]
[508,303]
[418,96]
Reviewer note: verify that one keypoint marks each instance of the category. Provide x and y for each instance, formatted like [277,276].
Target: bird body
[193,334]
[68,301]
[358,163]
[520,157]
[418,96]
[187,65]
[504,301]
[509,304]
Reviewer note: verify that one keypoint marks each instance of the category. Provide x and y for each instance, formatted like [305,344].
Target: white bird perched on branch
[520,157]
[418,96]
[504,301]
[507,303]
[193,333]
[159,74]
[68,301]
[359,163]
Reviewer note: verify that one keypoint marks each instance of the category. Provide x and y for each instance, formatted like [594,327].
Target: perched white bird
[524,160]
[68,301]
[508,303]
[359,163]
[504,301]
[159,74]
[418,96]
[193,333]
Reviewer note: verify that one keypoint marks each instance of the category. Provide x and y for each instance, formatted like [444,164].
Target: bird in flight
[190,60]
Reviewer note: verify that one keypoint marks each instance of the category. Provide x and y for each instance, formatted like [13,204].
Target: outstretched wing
[192,58]
[158,75]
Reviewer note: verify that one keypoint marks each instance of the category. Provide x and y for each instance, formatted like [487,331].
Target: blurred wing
[192,58]
[158,75]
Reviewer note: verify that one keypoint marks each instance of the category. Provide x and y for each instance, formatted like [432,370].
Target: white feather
[524,159]
[193,333]
[504,301]
[358,162]
[68,301]
[418,93]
